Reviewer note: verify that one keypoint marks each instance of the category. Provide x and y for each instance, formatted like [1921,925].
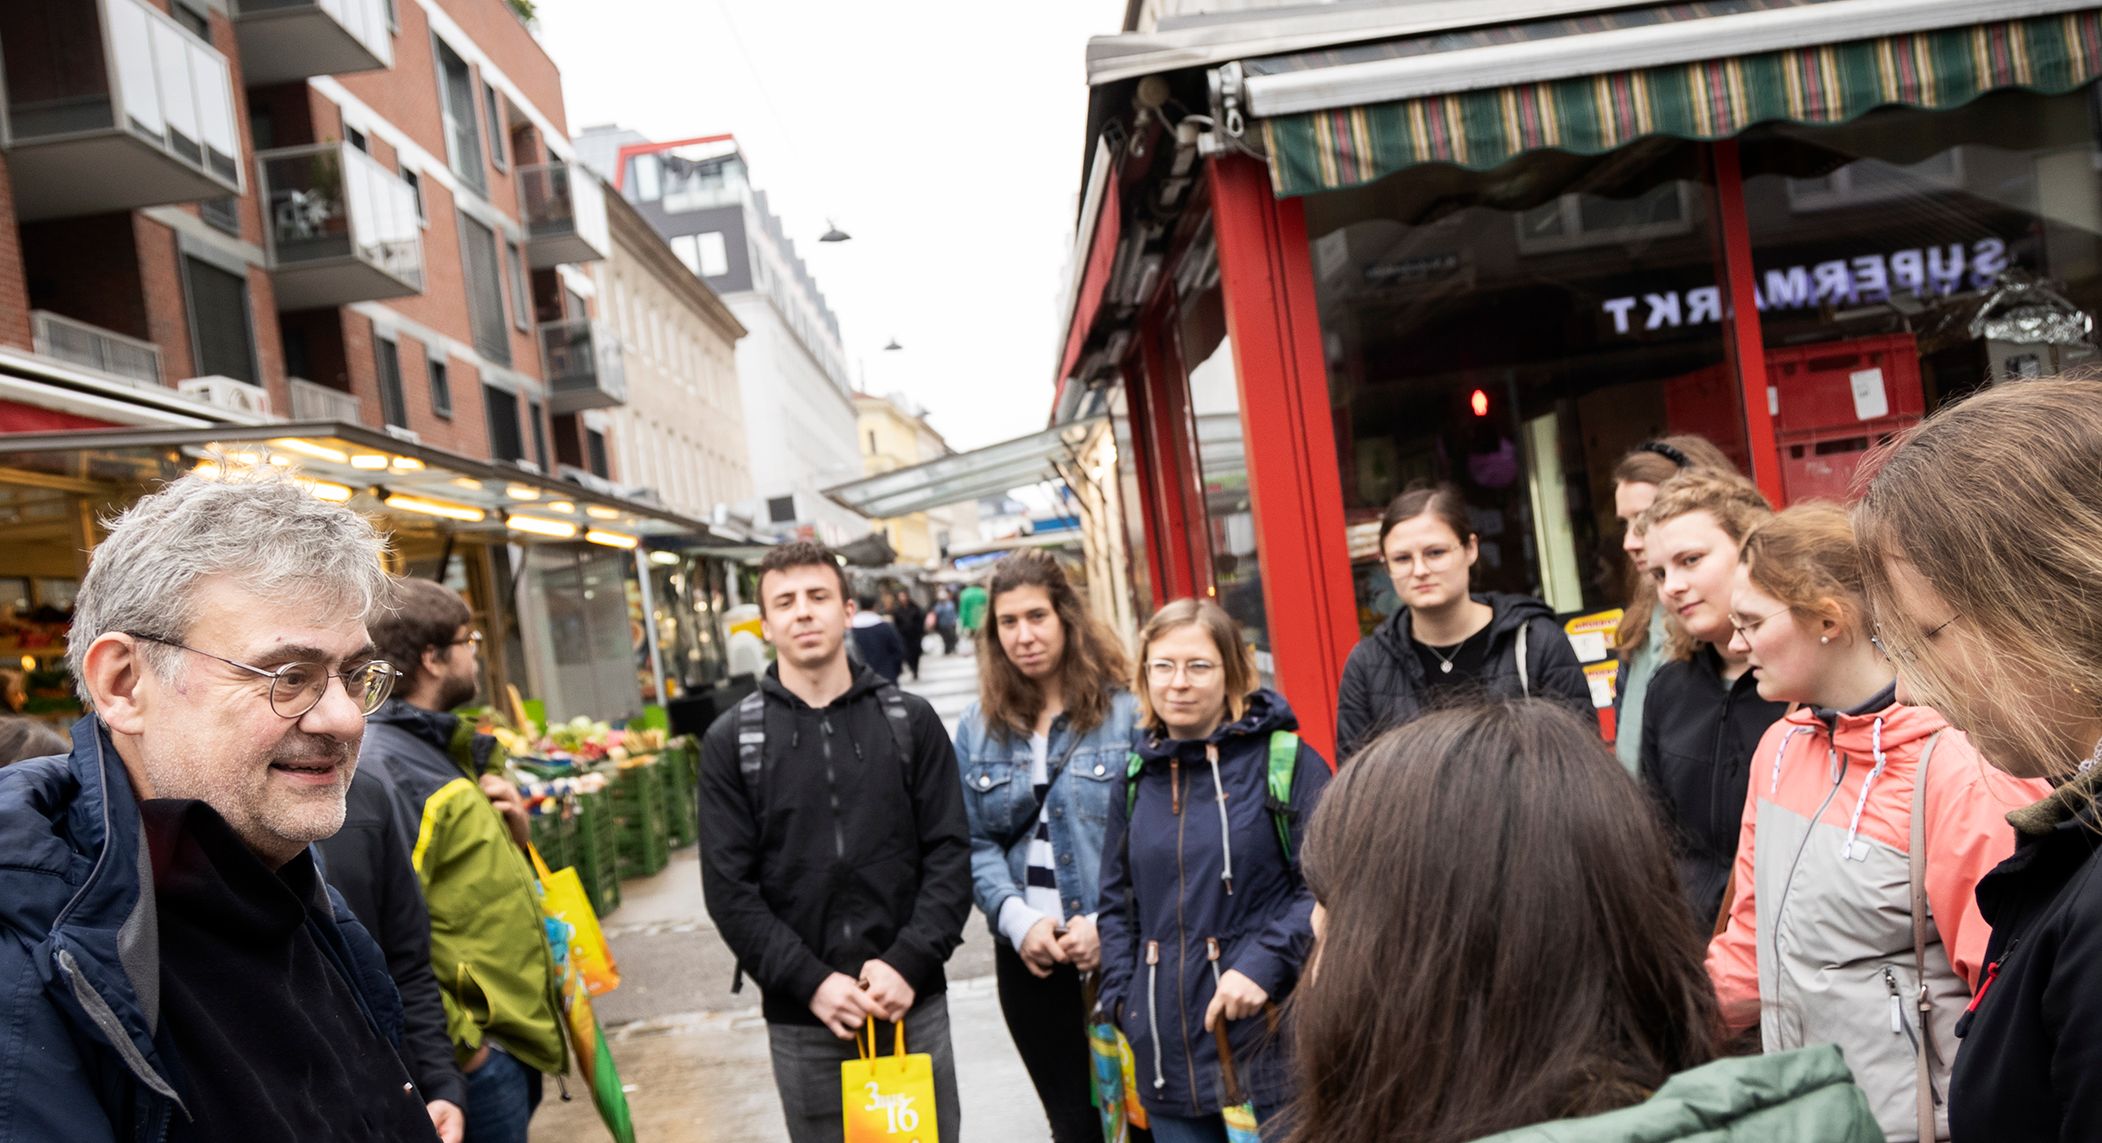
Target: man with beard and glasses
[172,964]
[427,780]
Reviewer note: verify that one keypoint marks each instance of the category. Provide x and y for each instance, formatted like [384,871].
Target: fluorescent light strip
[442,508]
[611,539]
[557,529]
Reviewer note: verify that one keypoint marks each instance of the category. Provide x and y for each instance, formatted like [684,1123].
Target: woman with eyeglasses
[1978,537]
[1445,646]
[1205,921]
[1704,715]
[1645,628]
[1857,803]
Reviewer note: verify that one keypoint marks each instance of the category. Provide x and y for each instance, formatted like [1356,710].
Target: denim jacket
[1000,803]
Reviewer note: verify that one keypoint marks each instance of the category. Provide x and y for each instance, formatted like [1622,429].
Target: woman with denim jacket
[1043,754]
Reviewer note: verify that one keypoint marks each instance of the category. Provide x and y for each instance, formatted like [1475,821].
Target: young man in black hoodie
[834,856]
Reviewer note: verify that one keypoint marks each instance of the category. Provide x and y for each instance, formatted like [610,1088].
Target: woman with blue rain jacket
[1205,922]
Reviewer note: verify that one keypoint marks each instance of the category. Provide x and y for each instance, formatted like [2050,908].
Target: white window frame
[1574,236]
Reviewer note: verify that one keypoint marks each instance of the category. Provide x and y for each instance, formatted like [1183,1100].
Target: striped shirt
[1039,897]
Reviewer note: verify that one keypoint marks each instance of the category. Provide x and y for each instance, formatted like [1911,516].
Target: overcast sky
[944,136]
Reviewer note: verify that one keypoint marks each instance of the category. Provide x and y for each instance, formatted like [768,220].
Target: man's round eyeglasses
[296,688]
[474,637]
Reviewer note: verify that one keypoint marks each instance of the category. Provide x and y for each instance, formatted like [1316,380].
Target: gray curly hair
[253,523]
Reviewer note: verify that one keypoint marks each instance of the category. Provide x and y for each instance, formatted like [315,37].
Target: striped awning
[1332,148]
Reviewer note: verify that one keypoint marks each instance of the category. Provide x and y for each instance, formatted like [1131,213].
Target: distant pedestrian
[834,857]
[1204,918]
[1645,628]
[444,785]
[1822,898]
[1043,753]
[1444,645]
[172,965]
[970,609]
[1703,717]
[1503,956]
[22,738]
[1979,537]
[910,619]
[945,621]
[879,643]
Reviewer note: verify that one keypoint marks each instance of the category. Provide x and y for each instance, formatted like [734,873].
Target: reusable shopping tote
[586,1040]
[1239,1112]
[1106,1054]
[887,1099]
[562,897]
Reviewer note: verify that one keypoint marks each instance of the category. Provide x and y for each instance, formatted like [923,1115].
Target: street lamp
[834,234]
[893,346]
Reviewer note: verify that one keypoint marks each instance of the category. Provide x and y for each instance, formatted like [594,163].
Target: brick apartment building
[231,211]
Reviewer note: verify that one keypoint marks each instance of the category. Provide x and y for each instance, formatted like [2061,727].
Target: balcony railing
[284,40]
[122,358]
[111,105]
[582,364]
[342,228]
[565,213]
[312,402]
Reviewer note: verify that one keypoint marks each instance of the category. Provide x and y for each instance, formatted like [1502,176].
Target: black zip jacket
[368,863]
[1698,737]
[1383,684]
[849,854]
[2030,1065]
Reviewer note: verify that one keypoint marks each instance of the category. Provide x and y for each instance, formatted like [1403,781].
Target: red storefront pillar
[1743,340]
[1266,273]
[1182,547]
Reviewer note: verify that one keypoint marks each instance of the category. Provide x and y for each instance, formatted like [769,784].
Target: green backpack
[1284,761]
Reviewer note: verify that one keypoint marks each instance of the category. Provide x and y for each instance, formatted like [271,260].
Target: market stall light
[562,506]
[407,464]
[601,512]
[29,662]
[666,559]
[310,449]
[611,539]
[445,509]
[206,470]
[535,525]
[521,492]
[328,490]
[369,461]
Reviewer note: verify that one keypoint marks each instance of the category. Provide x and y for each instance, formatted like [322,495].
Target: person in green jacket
[489,947]
[1501,953]
[970,609]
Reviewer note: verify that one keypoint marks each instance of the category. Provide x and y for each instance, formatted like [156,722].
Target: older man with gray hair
[172,965]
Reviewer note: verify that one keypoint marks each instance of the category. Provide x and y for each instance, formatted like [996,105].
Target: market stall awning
[350,464]
[966,476]
[1476,98]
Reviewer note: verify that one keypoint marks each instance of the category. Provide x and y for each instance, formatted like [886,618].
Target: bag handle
[1917,863]
[865,1040]
[1230,1084]
[540,868]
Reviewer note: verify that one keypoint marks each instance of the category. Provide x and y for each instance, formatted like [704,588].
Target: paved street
[694,1055]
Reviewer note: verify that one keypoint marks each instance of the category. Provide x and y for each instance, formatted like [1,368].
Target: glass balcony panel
[565,213]
[342,227]
[582,363]
[297,39]
[138,81]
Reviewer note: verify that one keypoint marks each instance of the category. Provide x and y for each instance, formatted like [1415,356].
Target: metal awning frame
[990,471]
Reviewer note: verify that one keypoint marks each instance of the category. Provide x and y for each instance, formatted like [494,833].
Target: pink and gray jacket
[1818,946]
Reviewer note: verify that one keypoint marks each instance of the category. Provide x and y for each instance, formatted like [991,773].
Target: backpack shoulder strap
[899,719]
[1284,763]
[1917,861]
[751,744]
[1133,763]
[1525,673]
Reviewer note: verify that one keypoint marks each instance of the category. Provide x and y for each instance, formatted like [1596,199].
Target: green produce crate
[555,836]
[643,839]
[679,771]
[598,855]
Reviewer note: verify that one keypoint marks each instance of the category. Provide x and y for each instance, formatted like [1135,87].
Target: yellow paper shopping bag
[887,1099]
[562,897]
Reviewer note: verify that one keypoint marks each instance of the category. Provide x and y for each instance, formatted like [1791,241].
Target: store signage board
[1927,272]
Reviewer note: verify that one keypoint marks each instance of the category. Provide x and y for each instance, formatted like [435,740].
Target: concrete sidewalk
[694,1056]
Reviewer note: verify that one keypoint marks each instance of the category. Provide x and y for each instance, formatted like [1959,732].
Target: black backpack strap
[751,767]
[899,719]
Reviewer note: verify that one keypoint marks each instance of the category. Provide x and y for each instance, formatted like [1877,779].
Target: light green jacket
[1805,1096]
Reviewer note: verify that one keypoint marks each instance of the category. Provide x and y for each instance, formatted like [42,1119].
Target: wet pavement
[694,1055]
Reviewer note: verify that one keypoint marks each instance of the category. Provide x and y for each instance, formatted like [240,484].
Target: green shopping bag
[587,1040]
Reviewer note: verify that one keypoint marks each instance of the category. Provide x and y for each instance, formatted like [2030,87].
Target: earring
[1824,639]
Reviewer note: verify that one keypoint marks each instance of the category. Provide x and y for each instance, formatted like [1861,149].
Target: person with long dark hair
[1978,533]
[1531,972]
[1446,645]
[1204,917]
[1645,628]
[1042,753]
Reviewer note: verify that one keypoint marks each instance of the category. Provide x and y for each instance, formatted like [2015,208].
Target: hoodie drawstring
[1153,1009]
[1773,788]
[1211,755]
[1846,852]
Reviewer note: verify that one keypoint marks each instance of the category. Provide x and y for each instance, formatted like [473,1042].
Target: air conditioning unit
[227,393]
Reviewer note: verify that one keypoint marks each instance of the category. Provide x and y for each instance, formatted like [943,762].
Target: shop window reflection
[1514,332]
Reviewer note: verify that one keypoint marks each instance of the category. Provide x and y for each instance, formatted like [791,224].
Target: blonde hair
[1734,503]
[1648,463]
[1233,654]
[1806,558]
[1996,504]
